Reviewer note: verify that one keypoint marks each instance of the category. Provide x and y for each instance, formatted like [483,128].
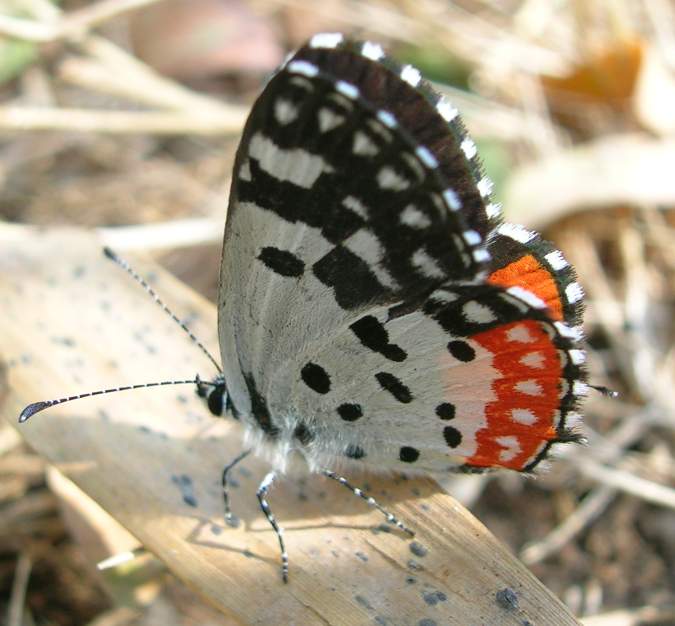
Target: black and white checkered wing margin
[354,186]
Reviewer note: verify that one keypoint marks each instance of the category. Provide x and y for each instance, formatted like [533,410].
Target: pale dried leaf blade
[74,322]
[615,170]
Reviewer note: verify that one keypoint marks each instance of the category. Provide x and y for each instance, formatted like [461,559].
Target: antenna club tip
[32,409]
[109,253]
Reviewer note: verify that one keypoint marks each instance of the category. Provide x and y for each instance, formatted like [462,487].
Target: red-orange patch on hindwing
[529,274]
[523,415]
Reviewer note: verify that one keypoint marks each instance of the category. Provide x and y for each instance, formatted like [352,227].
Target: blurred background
[126,114]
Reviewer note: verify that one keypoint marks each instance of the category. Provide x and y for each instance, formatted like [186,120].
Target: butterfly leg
[223,481]
[263,490]
[370,500]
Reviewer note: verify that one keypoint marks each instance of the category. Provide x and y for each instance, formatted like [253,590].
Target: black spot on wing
[452,436]
[349,275]
[282,262]
[445,411]
[394,386]
[259,408]
[373,335]
[316,378]
[408,454]
[350,412]
[462,351]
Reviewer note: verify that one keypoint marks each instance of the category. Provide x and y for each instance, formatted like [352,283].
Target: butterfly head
[215,394]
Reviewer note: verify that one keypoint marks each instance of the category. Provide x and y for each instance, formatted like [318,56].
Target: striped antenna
[36,407]
[141,281]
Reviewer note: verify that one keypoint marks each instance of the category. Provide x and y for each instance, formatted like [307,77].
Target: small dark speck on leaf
[418,549]
[363,602]
[411,580]
[232,521]
[248,554]
[414,565]
[216,530]
[184,483]
[362,556]
[432,598]
[507,599]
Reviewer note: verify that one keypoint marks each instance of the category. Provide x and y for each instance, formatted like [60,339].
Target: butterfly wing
[356,280]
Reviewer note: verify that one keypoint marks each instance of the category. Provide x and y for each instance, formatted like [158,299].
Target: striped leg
[370,500]
[263,490]
[223,481]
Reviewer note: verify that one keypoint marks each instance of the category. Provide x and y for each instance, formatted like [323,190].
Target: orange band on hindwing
[527,272]
[523,416]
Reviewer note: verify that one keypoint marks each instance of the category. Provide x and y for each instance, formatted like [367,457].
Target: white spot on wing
[354,204]
[411,75]
[493,209]
[367,246]
[484,187]
[516,232]
[520,334]
[481,255]
[347,89]
[535,360]
[326,40]
[364,145]
[372,51]
[296,165]
[511,448]
[579,388]
[303,67]
[574,293]
[472,237]
[329,119]
[529,387]
[523,416]
[425,155]
[245,171]
[468,147]
[413,217]
[285,111]
[578,356]
[446,110]
[386,118]
[527,296]
[556,260]
[452,199]
[478,313]
[426,264]
[388,178]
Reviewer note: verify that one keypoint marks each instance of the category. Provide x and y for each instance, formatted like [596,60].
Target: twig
[628,482]
[74,24]
[591,508]
[120,122]
[19,586]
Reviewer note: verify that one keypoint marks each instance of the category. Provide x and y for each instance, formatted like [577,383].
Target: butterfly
[374,310]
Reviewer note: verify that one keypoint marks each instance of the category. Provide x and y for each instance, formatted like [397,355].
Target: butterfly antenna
[36,407]
[605,391]
[141,281]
